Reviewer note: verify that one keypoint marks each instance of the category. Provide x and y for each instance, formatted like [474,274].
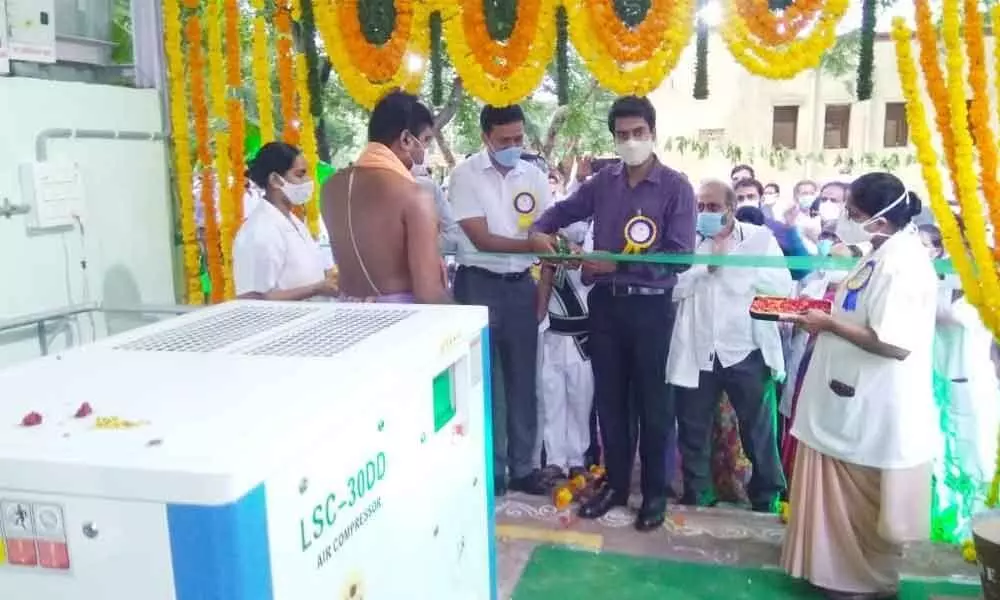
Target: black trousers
[629,341]
[744,383]
[513,348]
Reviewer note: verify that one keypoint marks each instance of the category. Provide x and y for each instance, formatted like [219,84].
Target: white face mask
[297,193]
[829,211]
[635,152]
[770,199]
[851,232]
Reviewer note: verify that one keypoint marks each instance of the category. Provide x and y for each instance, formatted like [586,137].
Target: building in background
[813,115]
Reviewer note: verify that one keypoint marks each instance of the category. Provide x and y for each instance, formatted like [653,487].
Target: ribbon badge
[524,205]
[640,232]
[856,283]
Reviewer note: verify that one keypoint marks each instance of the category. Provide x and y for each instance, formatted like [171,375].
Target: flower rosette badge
[373,59]
[640,233]
[630,58]
[524,206]
[767,43]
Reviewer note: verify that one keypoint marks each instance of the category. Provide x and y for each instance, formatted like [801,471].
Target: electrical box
[255,451]
[54,191]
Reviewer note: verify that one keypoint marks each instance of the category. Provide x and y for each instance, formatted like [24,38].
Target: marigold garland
[199,105]
[786,60]
[920,135]
[365,90]
[638,78]
[782,27]
[936,88]
[500,73]
[308,137]
[286,74]
[972,213]
[223,162]
[630,44]
[235,115]
[985,141]
[376,62]
[261,68]
[181,141]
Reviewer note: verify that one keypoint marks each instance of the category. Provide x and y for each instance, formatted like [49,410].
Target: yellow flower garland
[787,60]
[972,210]
[223,163]
[365,92]
[524,77]
[307,138]
[634,78]
[181,138]
[920,134]
[985,141]
[261,68]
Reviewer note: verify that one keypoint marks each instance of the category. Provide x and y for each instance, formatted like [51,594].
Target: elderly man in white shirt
[716,347]
[495,197]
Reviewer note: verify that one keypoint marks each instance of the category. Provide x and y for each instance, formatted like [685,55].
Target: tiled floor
[719,536]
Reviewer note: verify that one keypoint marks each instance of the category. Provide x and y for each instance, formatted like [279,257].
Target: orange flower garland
[639,78]
[261,67]
[376,62]
[777,29]
[223,165]
[199,105]
[180,138]
[500,73]
[630,44]
[980,115]
[286,74]
[936,89]
[501,59]
[234,113]
[339,37]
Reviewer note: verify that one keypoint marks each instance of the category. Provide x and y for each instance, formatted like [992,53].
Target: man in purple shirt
[638,206]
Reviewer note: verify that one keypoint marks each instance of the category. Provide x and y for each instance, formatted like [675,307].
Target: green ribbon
[794,263]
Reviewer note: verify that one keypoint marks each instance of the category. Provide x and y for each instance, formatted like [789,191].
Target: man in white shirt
[448,230]
[716,347]
[495,197]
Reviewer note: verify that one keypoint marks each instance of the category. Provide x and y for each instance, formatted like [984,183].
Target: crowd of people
[622,340]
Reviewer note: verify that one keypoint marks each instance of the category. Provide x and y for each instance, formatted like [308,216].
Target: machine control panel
[33,535]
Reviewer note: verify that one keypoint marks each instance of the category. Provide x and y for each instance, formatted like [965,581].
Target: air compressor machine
[254,451]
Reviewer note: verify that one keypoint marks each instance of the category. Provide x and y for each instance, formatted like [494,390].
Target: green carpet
[561,574]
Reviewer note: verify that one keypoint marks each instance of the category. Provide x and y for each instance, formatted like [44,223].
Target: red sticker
[53,555]
[84,411]
[31,419]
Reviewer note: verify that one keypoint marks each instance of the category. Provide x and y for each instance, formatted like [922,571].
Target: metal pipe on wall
[43,137]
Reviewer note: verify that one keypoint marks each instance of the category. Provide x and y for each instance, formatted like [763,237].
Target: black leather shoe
[652,514]
[532,484]
[601,503]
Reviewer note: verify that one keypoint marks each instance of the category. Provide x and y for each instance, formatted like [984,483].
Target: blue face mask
[824,247]
[507,157]
[710,224]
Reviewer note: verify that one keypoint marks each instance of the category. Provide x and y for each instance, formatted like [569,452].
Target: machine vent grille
[217,330]
[331,334]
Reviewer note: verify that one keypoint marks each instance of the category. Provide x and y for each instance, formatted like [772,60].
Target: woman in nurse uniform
[866,420]
[274,255]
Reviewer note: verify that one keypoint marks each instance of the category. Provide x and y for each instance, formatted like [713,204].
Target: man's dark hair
[395,113]
[493,116]
[742,183]
[738,168]
[632,106]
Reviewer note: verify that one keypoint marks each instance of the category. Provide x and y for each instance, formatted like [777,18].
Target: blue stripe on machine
[221,552]
[488,444]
